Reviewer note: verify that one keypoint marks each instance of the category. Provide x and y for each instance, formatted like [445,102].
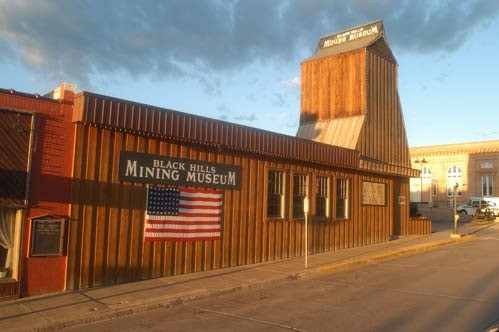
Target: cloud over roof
[159,39]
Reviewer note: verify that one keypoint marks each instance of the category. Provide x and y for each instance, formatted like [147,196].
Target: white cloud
[164,39]
[292,82]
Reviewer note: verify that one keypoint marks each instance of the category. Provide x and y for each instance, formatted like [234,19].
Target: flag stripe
[171,237]
[201,199]
[201,203]
[176,226]
[153,219]
[199,207]
[172,222]
[182,230]
[182,235]
[185,236]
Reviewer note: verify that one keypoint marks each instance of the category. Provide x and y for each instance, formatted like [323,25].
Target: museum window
[487,185]
[454,176]
[342,198]
[275,194]
[322,197]
[300,187]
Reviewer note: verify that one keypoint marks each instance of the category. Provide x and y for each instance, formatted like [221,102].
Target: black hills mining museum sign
[147,168]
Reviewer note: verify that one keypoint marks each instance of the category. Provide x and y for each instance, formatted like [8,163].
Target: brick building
[473,166]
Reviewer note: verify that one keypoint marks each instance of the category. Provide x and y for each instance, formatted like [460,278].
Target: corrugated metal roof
[342,132]
[378,166]
[118,114]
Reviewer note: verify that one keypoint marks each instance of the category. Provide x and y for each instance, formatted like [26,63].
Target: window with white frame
[322,197]
[300,187]
[454,176]
[426,172]
[487,185]
[275,194]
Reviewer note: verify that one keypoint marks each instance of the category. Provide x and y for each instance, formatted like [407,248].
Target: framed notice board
[47,236]
[373,193]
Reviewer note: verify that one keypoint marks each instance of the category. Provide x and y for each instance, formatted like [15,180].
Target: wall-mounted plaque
[373,193]
[47,236]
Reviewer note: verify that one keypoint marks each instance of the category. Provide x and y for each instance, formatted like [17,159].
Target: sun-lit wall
[474,166]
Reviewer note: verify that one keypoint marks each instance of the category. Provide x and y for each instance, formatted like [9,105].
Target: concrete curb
[391,254]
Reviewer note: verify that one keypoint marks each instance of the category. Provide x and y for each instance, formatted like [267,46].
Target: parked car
[481,204]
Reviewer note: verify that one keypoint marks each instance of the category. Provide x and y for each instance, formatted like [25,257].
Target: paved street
[451,288]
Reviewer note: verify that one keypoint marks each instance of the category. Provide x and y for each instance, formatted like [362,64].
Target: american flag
[183,214]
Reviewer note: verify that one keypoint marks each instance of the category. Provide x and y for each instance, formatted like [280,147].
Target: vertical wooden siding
[333,87]
[383,136]
[419,226]
[401,197]
[107,217]
[360,82]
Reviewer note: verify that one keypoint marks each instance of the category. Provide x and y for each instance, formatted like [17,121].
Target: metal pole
[455,209]
[305,211]
[421,189]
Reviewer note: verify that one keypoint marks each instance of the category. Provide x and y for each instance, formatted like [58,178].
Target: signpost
[305,211]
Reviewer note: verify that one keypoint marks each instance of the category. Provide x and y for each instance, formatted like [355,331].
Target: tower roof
[349,40]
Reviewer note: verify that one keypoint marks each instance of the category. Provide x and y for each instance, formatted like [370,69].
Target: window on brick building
[454,176]
[487,185]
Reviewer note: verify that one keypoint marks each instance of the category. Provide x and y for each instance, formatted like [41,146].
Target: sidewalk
[56,311]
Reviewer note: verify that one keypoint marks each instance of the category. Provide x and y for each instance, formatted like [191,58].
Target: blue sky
[239,60]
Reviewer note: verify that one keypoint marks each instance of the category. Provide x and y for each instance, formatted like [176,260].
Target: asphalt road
[451,288]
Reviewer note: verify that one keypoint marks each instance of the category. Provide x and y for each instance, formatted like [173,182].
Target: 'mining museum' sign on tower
[369,30]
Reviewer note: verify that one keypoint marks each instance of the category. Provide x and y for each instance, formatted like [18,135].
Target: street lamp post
[422,161]
[455,234]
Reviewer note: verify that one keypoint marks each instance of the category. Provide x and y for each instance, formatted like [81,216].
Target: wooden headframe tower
[349,98]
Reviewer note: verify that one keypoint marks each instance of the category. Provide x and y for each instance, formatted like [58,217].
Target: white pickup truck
[482,203]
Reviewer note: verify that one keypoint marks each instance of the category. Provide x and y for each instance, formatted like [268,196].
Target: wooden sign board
[148,168]
[47,237]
